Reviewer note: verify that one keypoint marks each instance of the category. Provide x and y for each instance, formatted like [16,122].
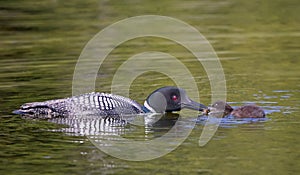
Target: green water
[256,41]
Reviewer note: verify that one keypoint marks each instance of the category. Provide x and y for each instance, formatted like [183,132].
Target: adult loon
[165,99]
[246,111]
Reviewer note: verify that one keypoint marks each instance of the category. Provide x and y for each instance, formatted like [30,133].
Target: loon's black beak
[190,104]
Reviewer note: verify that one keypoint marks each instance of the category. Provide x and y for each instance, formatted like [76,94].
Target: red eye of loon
[174,97]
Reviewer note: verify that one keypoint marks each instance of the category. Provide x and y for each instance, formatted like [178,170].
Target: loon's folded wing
[92,103]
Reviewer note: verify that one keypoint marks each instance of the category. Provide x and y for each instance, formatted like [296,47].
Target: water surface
[257,43]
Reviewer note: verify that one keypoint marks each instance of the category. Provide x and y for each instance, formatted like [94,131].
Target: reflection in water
[91,125]
[112,126]
[230,121]
[148,137]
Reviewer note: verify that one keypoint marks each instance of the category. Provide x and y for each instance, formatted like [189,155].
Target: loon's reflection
[151,124]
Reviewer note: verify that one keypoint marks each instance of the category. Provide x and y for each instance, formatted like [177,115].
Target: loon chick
[165,99]
[246,111]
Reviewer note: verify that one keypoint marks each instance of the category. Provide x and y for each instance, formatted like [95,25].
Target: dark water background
[256,41]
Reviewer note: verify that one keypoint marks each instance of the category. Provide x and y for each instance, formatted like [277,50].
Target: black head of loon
[170,98]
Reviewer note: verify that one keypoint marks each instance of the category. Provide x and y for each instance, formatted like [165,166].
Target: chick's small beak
[206,111]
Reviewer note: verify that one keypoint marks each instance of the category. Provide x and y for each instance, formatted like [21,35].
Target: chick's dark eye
[174,98]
